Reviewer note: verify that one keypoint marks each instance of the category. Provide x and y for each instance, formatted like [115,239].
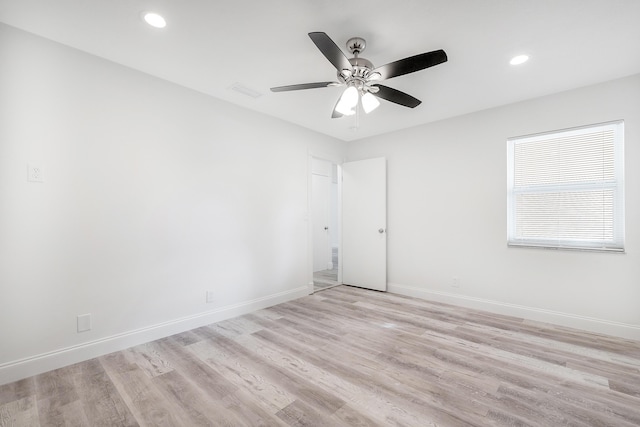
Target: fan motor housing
[359,74]
[361,67]
[361,63]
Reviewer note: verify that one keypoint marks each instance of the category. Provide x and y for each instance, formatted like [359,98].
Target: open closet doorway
[325,196]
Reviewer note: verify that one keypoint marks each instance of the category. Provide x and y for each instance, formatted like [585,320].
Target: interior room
[178,217]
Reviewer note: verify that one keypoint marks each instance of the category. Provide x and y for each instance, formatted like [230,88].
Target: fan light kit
[361,78]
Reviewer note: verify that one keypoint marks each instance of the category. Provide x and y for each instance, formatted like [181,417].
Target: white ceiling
[211,45]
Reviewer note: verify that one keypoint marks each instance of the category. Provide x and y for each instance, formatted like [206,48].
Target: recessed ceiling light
[154,20]
[520,59]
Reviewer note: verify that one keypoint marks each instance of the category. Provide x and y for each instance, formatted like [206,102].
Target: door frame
[309,216]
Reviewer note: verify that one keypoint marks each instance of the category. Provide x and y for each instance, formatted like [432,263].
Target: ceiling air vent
[240,88]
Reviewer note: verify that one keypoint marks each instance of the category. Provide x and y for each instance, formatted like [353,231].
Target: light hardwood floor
[351,357]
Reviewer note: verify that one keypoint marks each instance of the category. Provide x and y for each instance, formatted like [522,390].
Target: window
[566,189]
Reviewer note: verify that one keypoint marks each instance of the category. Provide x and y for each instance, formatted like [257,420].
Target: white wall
[152,195]
[447,215]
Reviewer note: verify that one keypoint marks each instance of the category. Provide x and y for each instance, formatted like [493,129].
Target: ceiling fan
[361,78]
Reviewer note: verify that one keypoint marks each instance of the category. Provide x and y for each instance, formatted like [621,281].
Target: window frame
[616,244]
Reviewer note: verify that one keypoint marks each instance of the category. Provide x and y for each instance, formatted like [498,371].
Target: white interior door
[320,221]
[364,224]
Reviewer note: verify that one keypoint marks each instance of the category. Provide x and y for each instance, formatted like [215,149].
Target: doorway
[325,223]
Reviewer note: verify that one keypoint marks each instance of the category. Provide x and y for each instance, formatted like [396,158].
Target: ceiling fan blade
[396,96]
[331,51]
[303,86]
[412,64]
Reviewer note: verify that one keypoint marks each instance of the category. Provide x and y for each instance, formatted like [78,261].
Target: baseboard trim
[34,365]
[601,326]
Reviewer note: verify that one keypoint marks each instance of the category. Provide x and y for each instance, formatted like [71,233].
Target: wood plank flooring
[346,357]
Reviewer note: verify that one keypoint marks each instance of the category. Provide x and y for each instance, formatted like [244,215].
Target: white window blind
[566,189]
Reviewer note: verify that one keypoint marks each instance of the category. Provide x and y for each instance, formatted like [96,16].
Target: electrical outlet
[34,173]
[84,322]
[456,282]
[209,297]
